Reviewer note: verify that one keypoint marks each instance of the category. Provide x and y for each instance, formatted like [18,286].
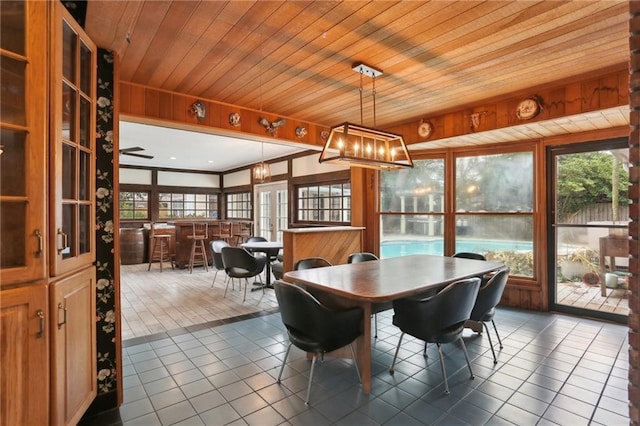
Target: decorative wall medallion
[324,135]
[529,108]
[301,132]
[199,110]
[234,119]
[425,128]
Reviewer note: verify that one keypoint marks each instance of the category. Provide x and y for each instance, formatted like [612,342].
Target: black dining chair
[484,309]
[239,263]
[216,254]
[469,255]
[437,319]
[315,328]
[365,257]
[310,263]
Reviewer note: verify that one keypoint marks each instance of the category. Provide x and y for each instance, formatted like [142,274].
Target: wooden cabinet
[73,343]
[72,142]
[23,142]
[47,168]
[24,368]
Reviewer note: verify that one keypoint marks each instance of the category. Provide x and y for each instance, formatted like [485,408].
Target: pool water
[436,247]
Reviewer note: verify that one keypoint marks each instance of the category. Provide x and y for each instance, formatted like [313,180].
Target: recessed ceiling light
[172,158]
[210,161]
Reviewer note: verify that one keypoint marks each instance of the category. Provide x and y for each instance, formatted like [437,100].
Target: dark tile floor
[554,369]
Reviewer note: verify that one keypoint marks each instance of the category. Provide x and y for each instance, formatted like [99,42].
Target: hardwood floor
[155,302]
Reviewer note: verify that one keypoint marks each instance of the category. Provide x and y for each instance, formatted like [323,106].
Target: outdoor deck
[581,295]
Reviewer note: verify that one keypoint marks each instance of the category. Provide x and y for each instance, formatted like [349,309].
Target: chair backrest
[469,255]
[490,294]
[240,263]
[304,315]
[361,257]
[310,263]
[199,229]
[224,230]
[438,318]
[216,253]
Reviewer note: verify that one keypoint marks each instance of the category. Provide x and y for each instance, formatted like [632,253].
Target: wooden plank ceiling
[295,58]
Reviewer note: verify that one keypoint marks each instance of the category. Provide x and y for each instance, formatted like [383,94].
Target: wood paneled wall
[150,104]
[591,93]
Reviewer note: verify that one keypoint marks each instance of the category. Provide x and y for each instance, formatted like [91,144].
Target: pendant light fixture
[262,170]
[360,146]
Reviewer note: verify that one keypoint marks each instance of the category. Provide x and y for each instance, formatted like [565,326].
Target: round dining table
[270,249]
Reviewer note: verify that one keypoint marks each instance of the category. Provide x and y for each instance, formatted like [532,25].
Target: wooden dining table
[374,285]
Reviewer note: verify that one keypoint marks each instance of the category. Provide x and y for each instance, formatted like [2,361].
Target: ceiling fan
[132,151]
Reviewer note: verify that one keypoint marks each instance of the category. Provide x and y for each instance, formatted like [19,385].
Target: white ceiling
[191,150]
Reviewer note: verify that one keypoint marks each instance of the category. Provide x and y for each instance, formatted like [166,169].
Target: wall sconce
[199,110]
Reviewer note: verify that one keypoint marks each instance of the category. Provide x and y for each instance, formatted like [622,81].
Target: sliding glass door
[588,239]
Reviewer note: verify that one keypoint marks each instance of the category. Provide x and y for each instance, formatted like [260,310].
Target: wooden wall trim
[586,94]
[591,93]
[147,103]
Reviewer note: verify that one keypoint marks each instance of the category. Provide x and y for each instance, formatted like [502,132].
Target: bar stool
[159,248]
[224,231]
[198,248]
[242,231]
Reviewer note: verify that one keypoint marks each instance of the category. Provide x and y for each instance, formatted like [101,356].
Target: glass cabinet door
[72,137]
[23,140]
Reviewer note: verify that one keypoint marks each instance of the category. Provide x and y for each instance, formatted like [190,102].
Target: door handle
[64,315]
[40,315]
[65,241]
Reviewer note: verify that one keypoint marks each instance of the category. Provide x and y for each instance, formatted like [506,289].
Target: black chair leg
[355,361]
[466,355]
[214,278]
[284,361]
[424,352]
[391,371]
[495,360]
[444,371]
[497,334]
[313,364]
[375,321]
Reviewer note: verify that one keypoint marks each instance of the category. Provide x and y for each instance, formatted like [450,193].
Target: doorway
[271,210]
[588,218]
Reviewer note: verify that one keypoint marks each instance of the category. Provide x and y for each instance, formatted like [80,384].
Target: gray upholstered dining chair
[216,254]
[315,328]
[239,263]
[311,262]
[437,319]
[488,298]
[469,255]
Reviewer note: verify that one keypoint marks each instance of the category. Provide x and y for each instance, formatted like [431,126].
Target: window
[174,205]
[492,214]
[134,205]
[239,205]
[412,209]
[494,208]
[324,203]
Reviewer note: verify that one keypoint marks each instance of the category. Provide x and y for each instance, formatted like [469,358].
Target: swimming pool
[404,248]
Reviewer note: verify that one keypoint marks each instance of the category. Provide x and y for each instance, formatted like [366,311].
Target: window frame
[345,211]
[133,202]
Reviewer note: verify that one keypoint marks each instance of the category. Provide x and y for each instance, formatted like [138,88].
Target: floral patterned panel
[105,260]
